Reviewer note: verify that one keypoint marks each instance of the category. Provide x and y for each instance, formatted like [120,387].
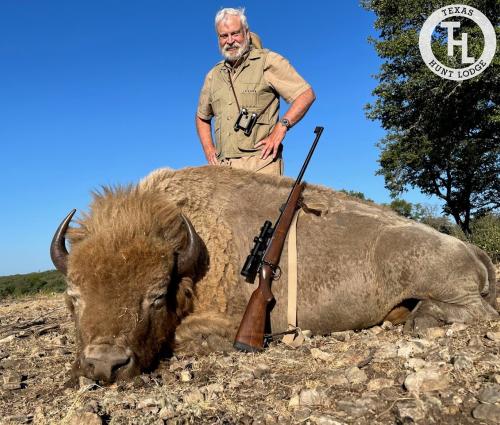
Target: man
[242,93]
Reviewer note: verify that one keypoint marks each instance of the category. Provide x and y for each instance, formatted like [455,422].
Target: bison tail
[489,289]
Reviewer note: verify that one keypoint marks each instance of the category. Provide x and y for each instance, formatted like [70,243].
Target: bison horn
[189,255]
[58,252]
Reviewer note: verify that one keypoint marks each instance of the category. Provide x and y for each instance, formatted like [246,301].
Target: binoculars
[245,121]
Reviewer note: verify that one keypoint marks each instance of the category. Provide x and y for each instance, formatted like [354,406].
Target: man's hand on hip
[211,155]
[204,129]
[298,108]
[270,145]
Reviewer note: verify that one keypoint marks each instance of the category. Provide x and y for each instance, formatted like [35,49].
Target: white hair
[240,12]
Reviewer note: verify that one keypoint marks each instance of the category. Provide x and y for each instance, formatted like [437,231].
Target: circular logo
[472,66]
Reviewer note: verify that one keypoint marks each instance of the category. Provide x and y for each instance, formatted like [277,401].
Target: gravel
[378,376]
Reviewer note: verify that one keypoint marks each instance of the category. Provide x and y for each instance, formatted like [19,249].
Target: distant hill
[32,283]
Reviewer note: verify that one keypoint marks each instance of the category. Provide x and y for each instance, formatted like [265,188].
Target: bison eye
[159,302]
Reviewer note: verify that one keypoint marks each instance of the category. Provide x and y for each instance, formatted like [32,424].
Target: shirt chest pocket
[248,97]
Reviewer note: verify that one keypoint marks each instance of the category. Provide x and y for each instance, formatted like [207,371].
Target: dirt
[375,376]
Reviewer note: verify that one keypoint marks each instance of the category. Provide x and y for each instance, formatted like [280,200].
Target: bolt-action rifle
[264,259]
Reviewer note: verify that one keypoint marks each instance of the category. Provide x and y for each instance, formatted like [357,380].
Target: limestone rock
[318,354]
[12,380]
[324,420]
[194,396]
[294,401]
[167,412]
[434,333]
[355,375]
[185,376]
[357,408]
[211,389]
[444,354]
[311,397]
[261,370]
[426,380]
[336,379]
[410,411]
[387,326]
[489,412]
[148,402]
[416,364]
[375,330]
[385,351]
[475,341]
[7,339]
[489,394]
[341,336]
[455,328]
[17,419]
[493,336]
[463,363]
[85,418]
[409,349]
[379,383]
[301,414]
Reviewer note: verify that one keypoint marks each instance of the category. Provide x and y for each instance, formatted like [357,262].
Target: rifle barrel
[318,130]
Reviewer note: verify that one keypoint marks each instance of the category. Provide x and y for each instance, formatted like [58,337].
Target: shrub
[444,225]
[486,235]
[32,283]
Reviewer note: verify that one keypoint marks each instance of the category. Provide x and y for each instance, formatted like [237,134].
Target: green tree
[443,136]
[402,207]
[359,195]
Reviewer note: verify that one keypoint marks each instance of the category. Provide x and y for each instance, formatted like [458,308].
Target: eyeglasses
[234,34]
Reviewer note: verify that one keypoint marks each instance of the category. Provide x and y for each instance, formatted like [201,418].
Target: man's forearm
[300,106]
[204,129]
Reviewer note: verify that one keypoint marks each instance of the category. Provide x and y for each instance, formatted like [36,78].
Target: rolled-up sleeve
[283,77]
[204,110]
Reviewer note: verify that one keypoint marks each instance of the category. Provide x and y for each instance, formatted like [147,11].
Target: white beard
[233,57]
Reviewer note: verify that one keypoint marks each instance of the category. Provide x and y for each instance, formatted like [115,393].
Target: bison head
[130,276]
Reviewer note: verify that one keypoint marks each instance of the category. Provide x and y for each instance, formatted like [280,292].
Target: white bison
[155,267]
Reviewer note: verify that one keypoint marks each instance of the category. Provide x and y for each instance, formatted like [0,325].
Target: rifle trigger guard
[276,273]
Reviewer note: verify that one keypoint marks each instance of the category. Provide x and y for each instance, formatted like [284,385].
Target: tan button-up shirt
[259,79]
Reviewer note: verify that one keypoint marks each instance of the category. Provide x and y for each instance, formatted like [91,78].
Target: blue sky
[102,92]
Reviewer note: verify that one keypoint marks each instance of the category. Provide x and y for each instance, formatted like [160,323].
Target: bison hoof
[417,325]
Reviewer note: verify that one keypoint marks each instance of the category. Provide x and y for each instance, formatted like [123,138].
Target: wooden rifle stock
[250,335]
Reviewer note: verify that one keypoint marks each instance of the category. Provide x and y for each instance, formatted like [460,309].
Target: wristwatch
[285,122]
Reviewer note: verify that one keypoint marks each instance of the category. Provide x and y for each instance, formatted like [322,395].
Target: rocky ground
[376,376]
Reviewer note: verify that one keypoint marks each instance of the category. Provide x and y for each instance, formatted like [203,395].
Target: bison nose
[103,362]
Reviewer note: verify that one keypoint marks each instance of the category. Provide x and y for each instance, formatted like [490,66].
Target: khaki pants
[254,163]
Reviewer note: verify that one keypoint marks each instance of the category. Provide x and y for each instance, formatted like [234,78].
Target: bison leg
[431,313]
[203,333]
[398,315]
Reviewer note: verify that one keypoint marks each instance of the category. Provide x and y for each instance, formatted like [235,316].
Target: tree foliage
[485,228]
[443,136]
[402,207]
[359,195]
[32,283]
[486,234]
